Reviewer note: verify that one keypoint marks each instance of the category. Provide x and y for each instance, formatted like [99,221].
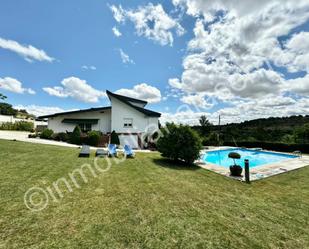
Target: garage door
[131,140]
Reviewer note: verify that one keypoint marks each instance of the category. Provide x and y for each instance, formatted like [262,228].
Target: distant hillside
[279,130]
[284,123]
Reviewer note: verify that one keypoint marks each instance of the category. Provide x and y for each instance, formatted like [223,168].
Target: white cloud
[197,100]
[272,106]
[231,57]
[77,89]
[29,52]
[116,32]
[298,85]
[85,67]
[142,91]
[118,13]
[174,82]
[40,110]
[14,85]
[125,57]
[182,117]
[150,21]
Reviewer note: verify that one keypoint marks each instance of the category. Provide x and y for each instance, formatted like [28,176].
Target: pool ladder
[297,153]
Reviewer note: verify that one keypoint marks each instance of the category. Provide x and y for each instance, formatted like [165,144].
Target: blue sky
[77,36]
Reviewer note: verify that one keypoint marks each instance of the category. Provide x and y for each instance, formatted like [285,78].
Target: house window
[85,127]
[128,122]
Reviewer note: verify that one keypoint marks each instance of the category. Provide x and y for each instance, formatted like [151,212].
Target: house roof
[125,98]
[127,101]
[78,111]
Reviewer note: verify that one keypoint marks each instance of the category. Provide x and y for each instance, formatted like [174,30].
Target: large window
[128,122]
[85,127]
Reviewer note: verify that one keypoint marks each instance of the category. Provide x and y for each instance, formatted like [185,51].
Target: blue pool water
[256,158]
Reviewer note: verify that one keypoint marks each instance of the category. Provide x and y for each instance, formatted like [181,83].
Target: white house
[127,116]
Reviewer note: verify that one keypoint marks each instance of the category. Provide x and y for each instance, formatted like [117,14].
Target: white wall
[141,122]
[11,119]
[104,122]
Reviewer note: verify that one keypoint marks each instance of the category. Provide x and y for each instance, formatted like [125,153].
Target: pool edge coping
[259,172]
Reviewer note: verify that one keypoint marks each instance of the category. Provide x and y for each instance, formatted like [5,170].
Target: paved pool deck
[260,172]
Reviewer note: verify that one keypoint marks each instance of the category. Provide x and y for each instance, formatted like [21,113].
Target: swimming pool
[256,158]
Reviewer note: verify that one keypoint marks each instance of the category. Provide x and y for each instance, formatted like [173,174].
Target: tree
[179,143]
[7,109]
[205,124]
[302,134]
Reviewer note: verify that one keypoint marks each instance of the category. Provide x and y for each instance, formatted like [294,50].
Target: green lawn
[147,203]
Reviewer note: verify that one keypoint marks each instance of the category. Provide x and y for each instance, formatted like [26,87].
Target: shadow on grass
[177,165]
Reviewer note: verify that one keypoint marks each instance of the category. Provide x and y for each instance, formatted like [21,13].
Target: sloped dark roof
[78,111]
[126,100]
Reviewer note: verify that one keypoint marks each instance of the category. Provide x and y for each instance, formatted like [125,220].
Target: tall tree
[205,124]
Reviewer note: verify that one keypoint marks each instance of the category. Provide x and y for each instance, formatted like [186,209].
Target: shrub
[93,138]
[179,143]
[75,136]
[33,135]
[24,126]
[114,138]
[47,134]
[61,136]
[17,126]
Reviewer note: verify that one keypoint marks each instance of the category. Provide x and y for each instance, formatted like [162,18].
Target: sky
[240,59]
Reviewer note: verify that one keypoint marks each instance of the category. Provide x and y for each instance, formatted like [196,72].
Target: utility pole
[219,130]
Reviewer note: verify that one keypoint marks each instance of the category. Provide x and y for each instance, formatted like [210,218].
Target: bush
[75,136]
[93,138]
[33,135]
[179,143]
[17,126]
[24,126]
[47,134]
[114,138]
[61,136]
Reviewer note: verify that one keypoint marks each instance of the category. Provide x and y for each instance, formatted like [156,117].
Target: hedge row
[17,126]
[304,148]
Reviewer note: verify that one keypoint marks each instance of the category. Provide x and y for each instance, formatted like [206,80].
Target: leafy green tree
[7,109]
[179,143]
[205,125]
[302,134]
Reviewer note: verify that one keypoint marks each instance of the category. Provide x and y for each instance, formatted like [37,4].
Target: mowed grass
[147,202]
